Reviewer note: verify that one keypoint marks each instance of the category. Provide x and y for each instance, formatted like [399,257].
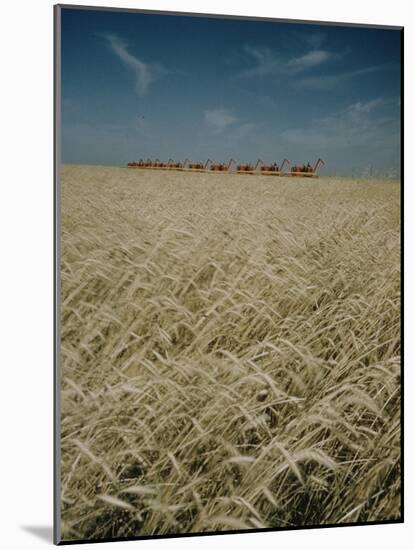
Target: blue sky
[144,85]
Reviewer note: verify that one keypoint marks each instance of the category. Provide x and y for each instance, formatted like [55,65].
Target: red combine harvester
[298,170]
[176,165]
[138,164]
[248,168]
[273,169]
[159,164]
[221,167]
[198,166]
[306,170]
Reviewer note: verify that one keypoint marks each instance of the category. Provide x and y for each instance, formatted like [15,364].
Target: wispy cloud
[360,124]
[219,119]
[226,130]
[244,130]
[309,60]
[267,62]
[328,82]
[314,39]
[144,73]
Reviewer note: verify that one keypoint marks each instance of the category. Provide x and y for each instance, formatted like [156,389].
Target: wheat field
[230,352]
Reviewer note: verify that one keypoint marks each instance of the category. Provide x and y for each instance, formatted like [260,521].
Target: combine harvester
[298,170]
[176,165]
[151,163]
[273,169]
[248,168]
[159,164]
[305,170]
[197,166]
[156,164]
[139,164]
[221,167]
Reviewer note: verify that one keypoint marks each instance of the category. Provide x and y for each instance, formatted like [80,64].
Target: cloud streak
[268,62]
[328,82]
[144,73]
[309,60]
[265,62]
[219,119]
[314,39]
[358,125]
[226,128]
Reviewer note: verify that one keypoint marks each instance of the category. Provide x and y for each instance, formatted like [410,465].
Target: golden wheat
[230,352]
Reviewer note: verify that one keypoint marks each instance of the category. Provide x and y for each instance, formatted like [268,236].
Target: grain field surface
[230,352]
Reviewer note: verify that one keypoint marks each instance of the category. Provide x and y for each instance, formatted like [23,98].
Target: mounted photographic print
[228,274]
